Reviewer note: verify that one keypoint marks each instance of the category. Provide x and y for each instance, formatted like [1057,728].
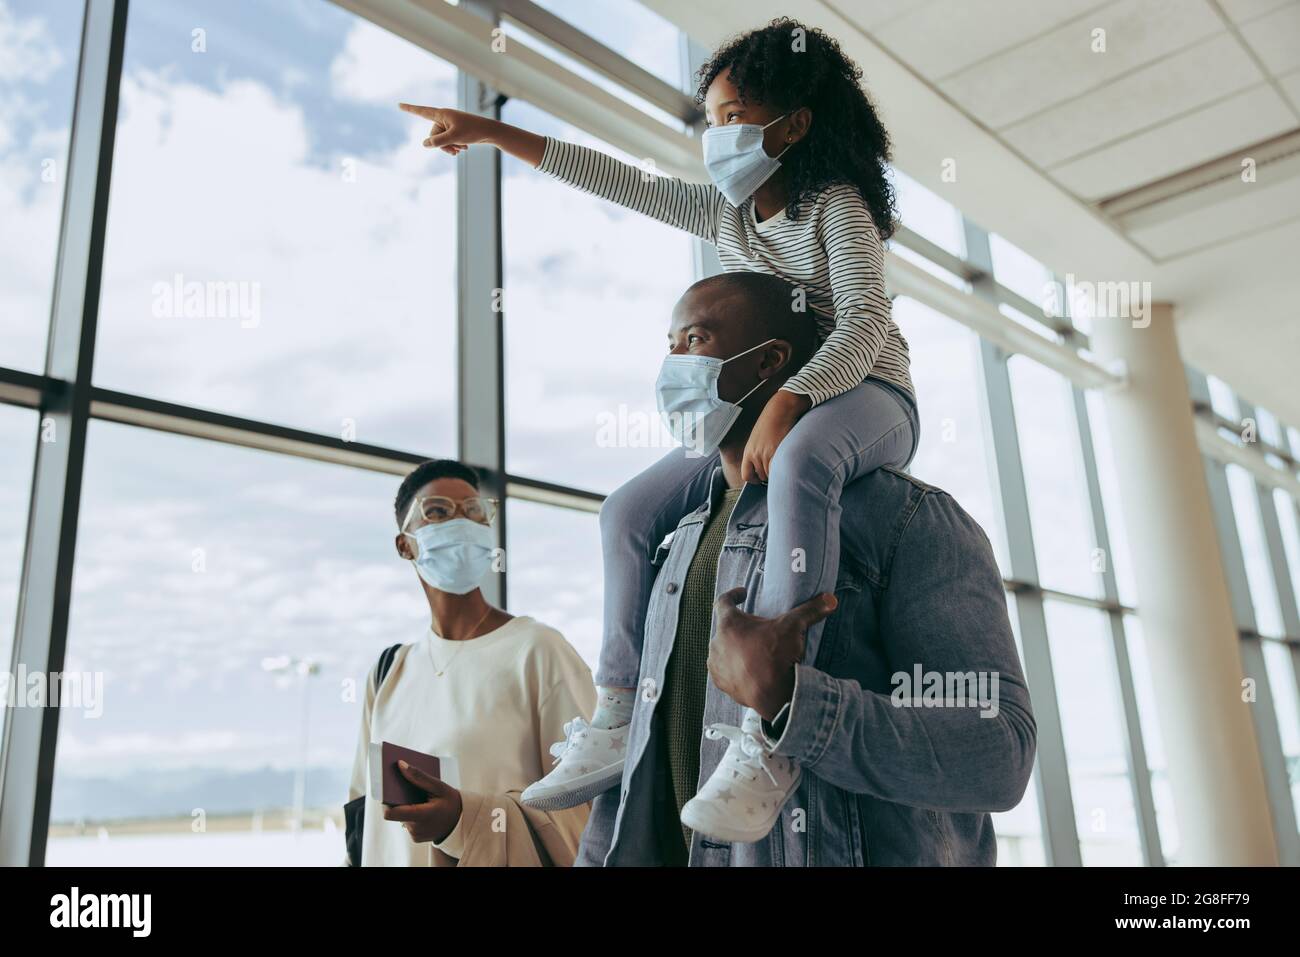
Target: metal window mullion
[1264,713]
[1135,749]
[1055,800]
[480,370]
[45,589]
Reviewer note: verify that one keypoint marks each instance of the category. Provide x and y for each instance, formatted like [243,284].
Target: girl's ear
[800,123]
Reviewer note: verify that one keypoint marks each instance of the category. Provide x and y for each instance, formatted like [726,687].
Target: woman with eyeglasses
[489,690]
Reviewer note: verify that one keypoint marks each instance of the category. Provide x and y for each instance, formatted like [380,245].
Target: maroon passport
[387,780]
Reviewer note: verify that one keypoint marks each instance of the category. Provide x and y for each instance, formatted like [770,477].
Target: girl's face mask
[736,160]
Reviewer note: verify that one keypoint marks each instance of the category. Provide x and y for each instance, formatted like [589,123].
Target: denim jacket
[919,593]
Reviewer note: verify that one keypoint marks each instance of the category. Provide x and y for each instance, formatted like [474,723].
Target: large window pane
[1058,495]
[1108,478]
[553,572]
[39,45]
[1020,272]
[928,214]
[1092,719]
[1288,517]
[953,453]
[1152,739]
[1254,551]
[196,563]
[1222,399]
[589,291]
[279,244]
[1286,705]
[1020,830]
[18,439]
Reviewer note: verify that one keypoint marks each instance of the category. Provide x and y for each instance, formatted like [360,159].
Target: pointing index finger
[428,112]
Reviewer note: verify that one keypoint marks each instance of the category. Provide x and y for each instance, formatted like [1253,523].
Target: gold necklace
[460,645]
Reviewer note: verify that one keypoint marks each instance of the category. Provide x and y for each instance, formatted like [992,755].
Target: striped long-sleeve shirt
[833,253]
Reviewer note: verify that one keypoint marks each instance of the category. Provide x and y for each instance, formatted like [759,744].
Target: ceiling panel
[945,36]
[1276,38]
[1187,80]
[1240,11]
[869,14]
[1246,118]
[1254,206]
[1291,84]
[1061,64]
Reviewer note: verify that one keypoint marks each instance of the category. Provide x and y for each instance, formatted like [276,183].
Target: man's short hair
[423,474]
[779,306]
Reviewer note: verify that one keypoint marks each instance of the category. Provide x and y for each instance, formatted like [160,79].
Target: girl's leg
[836,442]
[633,521]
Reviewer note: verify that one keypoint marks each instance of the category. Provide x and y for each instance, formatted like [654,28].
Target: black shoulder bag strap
[354,812]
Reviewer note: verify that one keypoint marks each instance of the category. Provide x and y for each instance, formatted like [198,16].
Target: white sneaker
[589,760]
[743,797]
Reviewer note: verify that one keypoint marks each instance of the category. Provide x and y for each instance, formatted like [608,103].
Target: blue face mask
[454,555]
[692,410]
[736,160]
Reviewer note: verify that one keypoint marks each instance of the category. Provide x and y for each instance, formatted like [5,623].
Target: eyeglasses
[432,509]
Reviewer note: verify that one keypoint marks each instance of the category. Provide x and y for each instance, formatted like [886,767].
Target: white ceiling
[1057,146]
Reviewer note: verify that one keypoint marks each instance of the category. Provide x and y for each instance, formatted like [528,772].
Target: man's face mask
[736,161]
[687,391]
[453,553]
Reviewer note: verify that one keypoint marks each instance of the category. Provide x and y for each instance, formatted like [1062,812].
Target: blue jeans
[842,439]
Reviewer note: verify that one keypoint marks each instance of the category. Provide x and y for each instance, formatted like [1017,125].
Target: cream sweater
[501,702]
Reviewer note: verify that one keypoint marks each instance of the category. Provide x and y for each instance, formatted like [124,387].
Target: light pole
[286,665]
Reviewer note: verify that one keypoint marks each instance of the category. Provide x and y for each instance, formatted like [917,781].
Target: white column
[1215,769]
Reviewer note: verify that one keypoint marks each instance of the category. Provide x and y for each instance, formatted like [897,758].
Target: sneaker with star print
[743,797]
[589,760]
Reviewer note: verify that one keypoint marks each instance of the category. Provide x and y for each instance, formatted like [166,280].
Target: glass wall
[231,603]
[279,246]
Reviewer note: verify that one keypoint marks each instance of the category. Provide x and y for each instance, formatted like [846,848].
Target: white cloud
[377,67]
[27,51]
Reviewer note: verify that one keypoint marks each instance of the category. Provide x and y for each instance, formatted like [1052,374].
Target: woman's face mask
[687,392]
[736,160]
[454,555]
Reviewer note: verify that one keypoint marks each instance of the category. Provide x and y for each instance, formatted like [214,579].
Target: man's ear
[800,123]
[775,358]
[404,546]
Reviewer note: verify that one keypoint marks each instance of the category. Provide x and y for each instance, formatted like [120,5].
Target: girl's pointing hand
[452,130]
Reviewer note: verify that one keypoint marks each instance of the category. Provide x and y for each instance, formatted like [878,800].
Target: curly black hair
[846,142]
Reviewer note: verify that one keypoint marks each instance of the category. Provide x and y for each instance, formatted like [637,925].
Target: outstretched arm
[694,207]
